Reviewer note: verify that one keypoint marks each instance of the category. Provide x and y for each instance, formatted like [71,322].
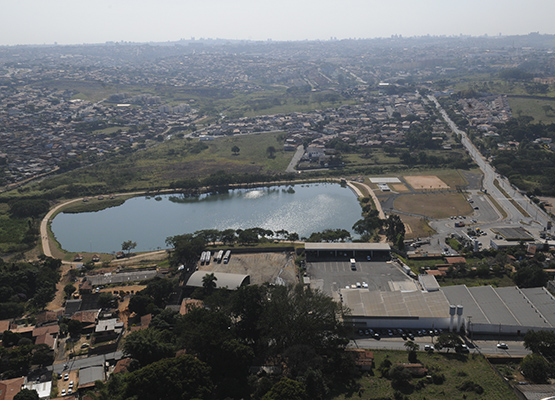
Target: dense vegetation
[27,285]
[294,330]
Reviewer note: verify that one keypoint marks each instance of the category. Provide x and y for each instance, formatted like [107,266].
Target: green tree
[530,276]
[286,389]
[187,249]
[42,355]
[535,368]
[69,289]
[235,150]
[147,346]
[209,283]
[271,151]
[179,378]
[399,375]
[412,348]
[449,340]
[540,342]
[74,327]
[106,300]
[128,245]
[26,394]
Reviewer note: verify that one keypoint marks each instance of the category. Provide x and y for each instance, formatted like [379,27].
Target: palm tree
[209,282]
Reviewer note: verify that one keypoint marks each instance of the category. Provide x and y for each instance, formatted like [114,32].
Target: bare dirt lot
[262,267]
[419,182]
[399,187]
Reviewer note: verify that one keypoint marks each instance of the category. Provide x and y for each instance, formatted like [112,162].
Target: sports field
[419,182]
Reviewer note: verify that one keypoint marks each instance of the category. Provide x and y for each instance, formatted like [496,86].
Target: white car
[63,392]
[359,285]
[365,285]
[502,346]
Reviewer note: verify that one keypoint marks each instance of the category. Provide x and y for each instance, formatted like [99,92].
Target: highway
[534,222]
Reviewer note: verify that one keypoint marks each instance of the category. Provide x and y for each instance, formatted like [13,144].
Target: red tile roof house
[10,387]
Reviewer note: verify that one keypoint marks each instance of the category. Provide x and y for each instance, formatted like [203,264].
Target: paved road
[489,347]
[295,160]
[86,362]
[537,216]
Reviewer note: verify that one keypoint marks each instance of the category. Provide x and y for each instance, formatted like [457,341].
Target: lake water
[150,220]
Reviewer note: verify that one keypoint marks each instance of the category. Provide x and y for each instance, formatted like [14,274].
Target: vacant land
[417,227]
[275,268]
[540,110]
[434,205]
[399,187]
[426,182]
[456,369]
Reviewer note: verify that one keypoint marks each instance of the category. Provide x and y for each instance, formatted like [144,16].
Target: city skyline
[69,22]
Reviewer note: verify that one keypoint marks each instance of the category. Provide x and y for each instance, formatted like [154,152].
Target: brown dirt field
[418,227]
[436,205]
[425,182]
[262,267]
[399,187]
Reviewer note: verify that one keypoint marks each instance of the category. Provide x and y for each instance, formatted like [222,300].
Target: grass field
[533,108]
[455,367]
[158,166]
[434,205]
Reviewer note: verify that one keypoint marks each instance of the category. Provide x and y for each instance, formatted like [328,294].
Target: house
[107,329]
[4,326]
[85,287]
[364,359]
[10,387]
[189,304]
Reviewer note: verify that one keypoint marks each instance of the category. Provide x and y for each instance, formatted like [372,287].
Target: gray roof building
[223,280]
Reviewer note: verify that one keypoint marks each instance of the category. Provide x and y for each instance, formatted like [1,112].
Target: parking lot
[330,276]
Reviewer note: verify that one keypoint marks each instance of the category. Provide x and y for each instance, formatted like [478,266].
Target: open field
[399,187]
[418,227]
[456,369]
[434,205]
[425,182]
[533,108]
[451,177]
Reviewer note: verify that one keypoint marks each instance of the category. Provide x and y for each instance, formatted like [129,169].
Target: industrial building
[383,294]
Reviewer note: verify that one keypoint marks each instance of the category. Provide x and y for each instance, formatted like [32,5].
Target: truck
[459,224]
[353,264]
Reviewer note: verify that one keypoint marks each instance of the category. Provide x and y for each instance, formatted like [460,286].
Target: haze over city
[71,22]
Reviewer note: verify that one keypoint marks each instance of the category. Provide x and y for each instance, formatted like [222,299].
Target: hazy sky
[98,21]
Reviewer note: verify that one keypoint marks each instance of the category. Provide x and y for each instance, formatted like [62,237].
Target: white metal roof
[223,280]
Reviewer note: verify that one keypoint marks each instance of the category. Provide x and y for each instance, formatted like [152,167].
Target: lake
[150,220]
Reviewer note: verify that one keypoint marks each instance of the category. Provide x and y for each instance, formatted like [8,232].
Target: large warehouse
[380,293]
[483,309]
